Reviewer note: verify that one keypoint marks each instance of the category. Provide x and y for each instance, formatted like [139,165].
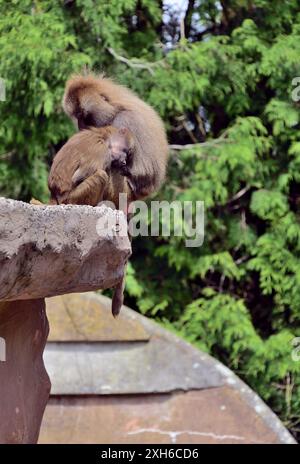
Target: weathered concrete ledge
[45,251]
[53,250]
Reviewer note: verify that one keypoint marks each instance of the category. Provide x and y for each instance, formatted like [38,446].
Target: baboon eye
[104,97]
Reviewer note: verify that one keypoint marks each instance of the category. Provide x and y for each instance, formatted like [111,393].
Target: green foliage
[228,83]
[36,55]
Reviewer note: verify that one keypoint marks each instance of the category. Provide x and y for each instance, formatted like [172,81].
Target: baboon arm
[90,190]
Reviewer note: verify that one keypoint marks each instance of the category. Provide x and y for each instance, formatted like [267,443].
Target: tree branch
[188,17]
[132,63]
[190,146]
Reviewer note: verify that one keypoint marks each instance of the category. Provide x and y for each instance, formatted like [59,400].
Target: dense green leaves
[225,79]
[36,56]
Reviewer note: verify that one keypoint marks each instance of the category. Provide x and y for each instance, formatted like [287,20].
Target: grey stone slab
[119,368]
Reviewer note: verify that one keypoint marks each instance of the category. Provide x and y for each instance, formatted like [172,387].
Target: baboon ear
[119,141]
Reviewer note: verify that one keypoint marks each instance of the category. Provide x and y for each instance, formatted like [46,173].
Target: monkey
[83,172]
[80,170]
[98,101]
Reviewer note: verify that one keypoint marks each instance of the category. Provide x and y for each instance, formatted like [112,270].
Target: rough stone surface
[83,317]
[214,416]
[53,250]
[24,383]
[109,368]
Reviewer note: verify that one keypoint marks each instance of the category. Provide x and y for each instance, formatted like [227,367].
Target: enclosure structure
[44,251]
[130,381]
